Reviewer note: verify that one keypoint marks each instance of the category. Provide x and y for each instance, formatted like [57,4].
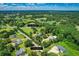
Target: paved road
[27,37]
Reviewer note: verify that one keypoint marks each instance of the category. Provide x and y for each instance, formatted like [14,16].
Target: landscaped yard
[70,48]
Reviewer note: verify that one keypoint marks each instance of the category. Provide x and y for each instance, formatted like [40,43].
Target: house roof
[52,37]
[57,49]
[17,41]
[20,52]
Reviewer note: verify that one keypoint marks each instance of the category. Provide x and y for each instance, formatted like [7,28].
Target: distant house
[12,36]
[17,41]
[57,49]
[20,52]
[39,34]
[53,38]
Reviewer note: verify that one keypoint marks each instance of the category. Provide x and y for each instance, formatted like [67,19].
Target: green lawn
[19,35]
[27,30]
[70,48]
[27,20]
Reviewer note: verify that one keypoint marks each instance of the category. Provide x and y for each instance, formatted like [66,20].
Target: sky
[39,6]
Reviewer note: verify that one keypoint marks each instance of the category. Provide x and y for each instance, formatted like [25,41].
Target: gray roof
[20,52]
[61,48]
[57,49]
[18,41]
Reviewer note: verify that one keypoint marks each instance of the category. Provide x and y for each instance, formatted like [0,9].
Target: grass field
[70,48]
[27,30]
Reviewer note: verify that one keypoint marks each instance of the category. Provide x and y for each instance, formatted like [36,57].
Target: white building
[53,38]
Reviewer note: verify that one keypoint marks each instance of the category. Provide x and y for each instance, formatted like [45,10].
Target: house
[57,49]
[17,41]
[53,38]
[12,36]
[20,52]
[37,35]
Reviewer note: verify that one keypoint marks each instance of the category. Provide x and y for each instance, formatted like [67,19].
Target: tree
[34,53]
[4,51]
[47,43]
[44,53]
[28,43]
